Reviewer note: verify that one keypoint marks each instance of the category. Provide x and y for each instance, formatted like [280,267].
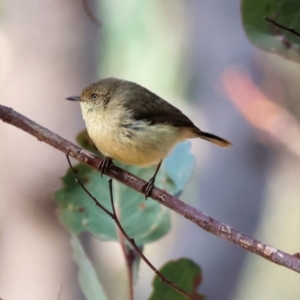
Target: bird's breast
[131,141]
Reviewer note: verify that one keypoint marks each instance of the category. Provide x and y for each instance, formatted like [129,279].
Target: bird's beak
[75,98]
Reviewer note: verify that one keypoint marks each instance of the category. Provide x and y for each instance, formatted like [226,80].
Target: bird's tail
[214,139]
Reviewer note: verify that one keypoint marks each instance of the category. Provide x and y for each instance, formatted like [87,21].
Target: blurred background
[196,55]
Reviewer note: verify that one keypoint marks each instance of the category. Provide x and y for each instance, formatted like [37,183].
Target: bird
[130,124]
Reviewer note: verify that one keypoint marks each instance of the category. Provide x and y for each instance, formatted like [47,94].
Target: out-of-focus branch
[260,111]
[207,223]
[90,14]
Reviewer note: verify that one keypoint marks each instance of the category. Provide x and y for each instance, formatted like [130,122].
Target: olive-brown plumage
[129,123]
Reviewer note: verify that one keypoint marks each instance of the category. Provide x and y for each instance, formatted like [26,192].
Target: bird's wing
[151,108]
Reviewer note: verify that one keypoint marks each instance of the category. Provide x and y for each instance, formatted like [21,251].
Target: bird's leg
[104,165]
[150,184]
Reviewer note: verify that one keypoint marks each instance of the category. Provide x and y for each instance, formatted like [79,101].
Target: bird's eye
[94,96]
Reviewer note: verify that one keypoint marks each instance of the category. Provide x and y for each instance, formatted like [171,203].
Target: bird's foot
[147,188]
[104,165]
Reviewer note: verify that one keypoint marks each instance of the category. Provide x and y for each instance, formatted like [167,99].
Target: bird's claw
[148,187]
[104,165]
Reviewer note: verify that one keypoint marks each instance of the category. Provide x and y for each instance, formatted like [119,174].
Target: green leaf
[87,276]
[180,165]
[184,273]
[267,36]
[145,221]
[78,211]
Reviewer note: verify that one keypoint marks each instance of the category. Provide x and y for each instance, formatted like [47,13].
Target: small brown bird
[129,123]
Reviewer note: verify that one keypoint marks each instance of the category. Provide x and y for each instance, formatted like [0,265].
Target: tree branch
[207,223]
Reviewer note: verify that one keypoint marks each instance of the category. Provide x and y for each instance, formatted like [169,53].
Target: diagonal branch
[207,223]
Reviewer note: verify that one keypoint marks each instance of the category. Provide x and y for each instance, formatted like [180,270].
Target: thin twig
[108,213]
[130,256]
[202,220]
[131,241]
[86,190]
[291,29]
[140,253]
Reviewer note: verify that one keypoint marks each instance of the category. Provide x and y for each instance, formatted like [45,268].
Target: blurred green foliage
[87,276]
[184,273]
[270,37]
